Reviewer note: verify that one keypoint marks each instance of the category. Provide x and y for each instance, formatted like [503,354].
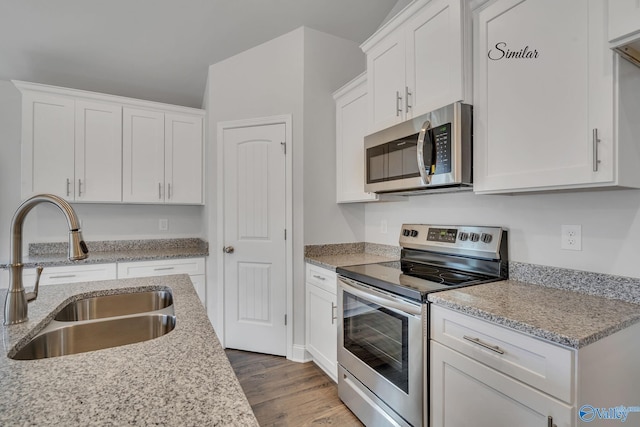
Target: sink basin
[60,339]
[115,305]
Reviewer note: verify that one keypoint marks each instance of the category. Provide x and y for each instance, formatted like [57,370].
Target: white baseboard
[299,354]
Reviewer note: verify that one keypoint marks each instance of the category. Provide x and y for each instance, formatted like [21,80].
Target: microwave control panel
[441,137]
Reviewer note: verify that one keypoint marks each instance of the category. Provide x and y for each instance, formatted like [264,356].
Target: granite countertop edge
[506,316]
[183,377]
[114,256]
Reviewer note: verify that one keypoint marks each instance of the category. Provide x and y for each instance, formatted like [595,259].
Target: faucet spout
[15,305]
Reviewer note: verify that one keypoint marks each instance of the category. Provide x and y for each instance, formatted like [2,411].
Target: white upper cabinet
[162,158]
[624,19]
[98,151]
[143,156]
[416,62]
[91,147]
[544,105]
[183,158]
[47,144]
[351,126]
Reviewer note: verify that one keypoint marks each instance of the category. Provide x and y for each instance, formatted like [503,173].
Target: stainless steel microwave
[431,152]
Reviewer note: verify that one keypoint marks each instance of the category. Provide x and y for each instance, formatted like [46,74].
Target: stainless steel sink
[115,305]
[59,339]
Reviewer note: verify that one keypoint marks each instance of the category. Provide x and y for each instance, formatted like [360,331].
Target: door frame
[285,119]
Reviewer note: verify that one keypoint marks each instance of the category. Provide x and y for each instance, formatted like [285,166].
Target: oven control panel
[475,240]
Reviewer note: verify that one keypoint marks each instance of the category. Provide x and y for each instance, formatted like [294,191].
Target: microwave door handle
[425,174]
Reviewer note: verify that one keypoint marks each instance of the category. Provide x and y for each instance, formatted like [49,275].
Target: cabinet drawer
[322,277]
[542,365]
[70,274]
[190,266]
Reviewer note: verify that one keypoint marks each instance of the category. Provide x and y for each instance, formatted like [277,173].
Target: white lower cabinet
[321,318]
[465,392]
[70,274]
[194,267]
[483,374]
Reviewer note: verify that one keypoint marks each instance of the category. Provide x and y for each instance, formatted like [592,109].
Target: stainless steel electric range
[383,318]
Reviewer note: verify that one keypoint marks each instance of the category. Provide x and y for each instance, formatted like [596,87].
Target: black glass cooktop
[411,279]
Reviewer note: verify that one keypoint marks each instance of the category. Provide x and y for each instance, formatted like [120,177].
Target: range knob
[474,237]
[486,238]
[463,235]
[406,232]
[414,233]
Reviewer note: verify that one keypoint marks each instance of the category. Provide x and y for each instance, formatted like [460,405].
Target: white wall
[329,63]
[610,225]
[99,221]
[293,74]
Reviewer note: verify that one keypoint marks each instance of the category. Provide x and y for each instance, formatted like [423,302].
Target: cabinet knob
[228,249]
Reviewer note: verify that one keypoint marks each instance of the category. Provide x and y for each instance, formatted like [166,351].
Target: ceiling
[158,49]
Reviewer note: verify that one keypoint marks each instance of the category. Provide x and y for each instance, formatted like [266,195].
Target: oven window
[378,337]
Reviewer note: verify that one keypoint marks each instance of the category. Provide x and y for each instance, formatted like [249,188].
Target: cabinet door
[351,127]
[183,158]
[434,51]
[540,97]
[98,154]
[464,392]
[386,81]
[624,19]
[143,156]
[321,329]
[47,145]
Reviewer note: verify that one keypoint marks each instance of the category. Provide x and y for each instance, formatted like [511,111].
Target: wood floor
[286,393]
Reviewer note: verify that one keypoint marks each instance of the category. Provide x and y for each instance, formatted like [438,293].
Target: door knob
[228,249]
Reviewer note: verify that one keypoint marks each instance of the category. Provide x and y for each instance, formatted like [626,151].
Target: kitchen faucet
[16,303]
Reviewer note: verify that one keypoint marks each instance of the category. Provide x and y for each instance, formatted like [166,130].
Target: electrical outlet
[571,237]
[383,226]
[163,224]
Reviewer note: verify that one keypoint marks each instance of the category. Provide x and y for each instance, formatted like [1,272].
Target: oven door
[380,343]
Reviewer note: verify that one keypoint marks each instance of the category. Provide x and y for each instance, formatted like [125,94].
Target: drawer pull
[163,268]
[483,344]
[319,277]
[550,422]
[63,276]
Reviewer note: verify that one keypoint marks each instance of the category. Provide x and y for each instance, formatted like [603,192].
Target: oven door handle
[426,171]
[382,299]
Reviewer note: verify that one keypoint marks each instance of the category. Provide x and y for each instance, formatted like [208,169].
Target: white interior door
[254,226]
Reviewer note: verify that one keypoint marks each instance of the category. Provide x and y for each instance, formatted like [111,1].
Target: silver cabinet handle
[159,190]
[79,187]
[163,268]
[228,249]
[169,190]
[407,94]
[63,276]
[334,313]
[398,104]
[483,344]
[319,277]
[68,187]
[595,141]
[550,422]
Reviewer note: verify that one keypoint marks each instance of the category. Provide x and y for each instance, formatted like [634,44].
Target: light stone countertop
[565,317]
[106,252]
[331,262]
[332,256]
[182,378]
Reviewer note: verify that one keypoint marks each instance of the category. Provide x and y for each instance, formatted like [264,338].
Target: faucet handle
[33,295]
